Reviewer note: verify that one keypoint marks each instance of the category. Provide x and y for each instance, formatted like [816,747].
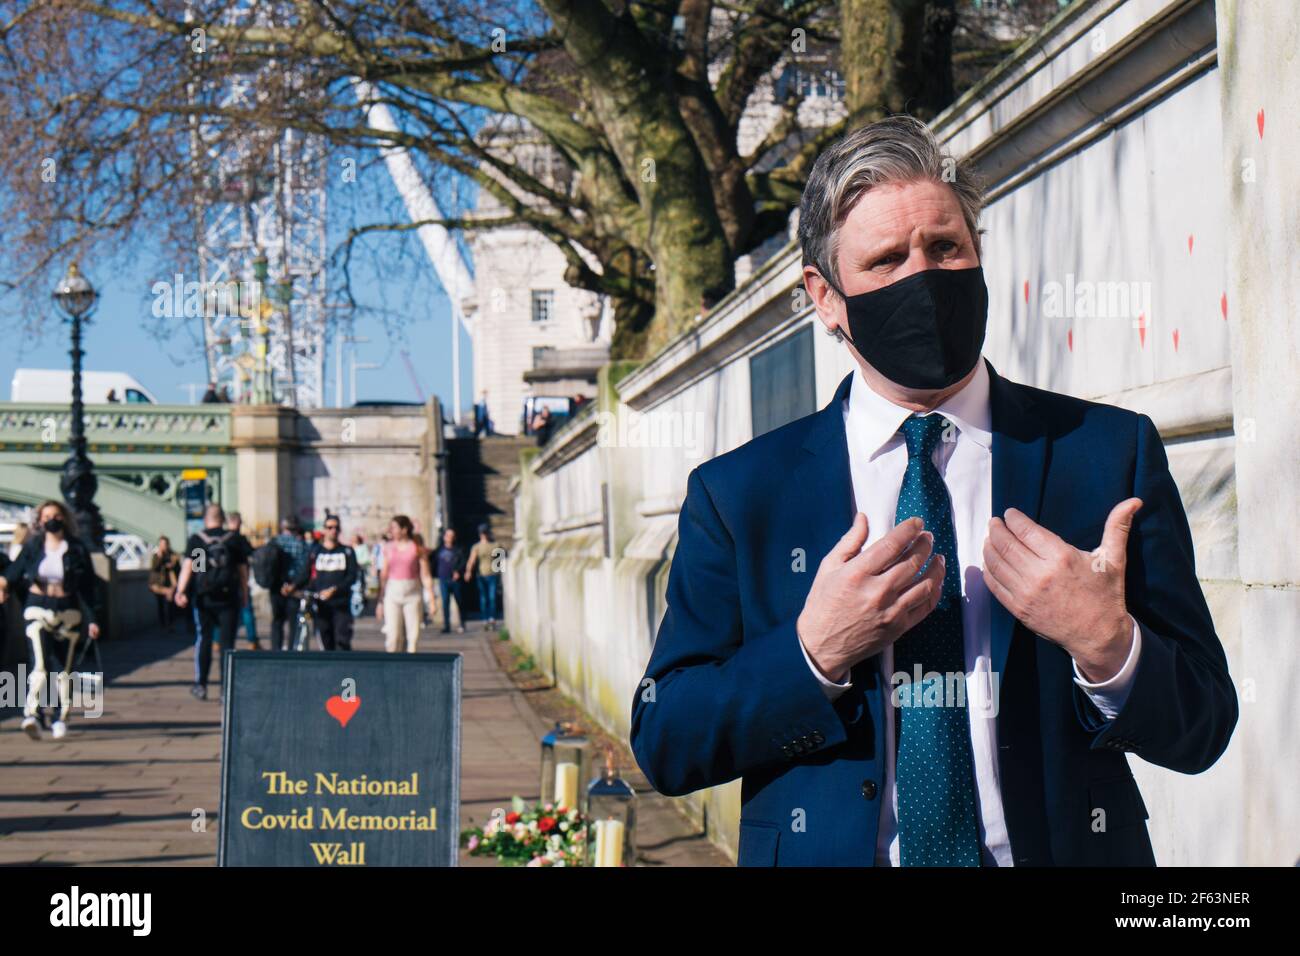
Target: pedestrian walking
[405,568]
[164,572]
[216,564]
[483,567]
[235,524]
[332,568]
[291,566]
[450,563]
[17,541]
[60,591]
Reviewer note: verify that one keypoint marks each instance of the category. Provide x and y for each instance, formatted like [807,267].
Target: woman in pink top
[406,568]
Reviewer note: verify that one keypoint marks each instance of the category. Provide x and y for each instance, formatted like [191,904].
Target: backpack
[268,566]
[216,582]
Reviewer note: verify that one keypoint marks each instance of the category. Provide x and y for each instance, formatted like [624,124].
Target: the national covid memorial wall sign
[340,759]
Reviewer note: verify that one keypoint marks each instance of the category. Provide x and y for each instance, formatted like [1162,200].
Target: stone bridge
[266,461]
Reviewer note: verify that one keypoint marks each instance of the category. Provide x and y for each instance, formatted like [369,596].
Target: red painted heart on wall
[1175,340]
[1223,306]
[1069,339]
[1190,239]
[1259,122]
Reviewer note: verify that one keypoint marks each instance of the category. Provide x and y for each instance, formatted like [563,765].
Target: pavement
[138,786]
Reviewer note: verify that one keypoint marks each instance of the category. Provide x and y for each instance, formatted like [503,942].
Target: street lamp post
[263,386]
[75,297]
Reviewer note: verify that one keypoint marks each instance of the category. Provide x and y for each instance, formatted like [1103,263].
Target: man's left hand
[1070,597]
[328,593]
[94,632]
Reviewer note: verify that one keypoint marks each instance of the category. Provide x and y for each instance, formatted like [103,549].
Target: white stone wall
[364,466]
[1150,191]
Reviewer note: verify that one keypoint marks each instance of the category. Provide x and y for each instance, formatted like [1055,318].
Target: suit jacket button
[817,738]
[869,789]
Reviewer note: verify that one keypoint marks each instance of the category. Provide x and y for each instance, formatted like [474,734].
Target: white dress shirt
[877,461]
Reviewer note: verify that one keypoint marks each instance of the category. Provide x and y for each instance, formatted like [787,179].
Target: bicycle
[305,620]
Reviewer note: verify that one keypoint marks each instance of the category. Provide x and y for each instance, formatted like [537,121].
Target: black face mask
[925,331]
[53,526]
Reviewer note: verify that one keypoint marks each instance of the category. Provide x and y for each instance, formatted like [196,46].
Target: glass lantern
[611,819]
[564,766]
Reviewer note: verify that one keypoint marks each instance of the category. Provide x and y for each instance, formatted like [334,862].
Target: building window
[781,382]
[543,305]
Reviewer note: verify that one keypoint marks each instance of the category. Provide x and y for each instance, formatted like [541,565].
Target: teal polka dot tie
[935,769]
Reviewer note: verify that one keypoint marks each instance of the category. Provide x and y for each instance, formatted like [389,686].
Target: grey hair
[897,149]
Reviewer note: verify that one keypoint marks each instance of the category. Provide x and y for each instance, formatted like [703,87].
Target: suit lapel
[825,484]
[822,476]
[1019,469]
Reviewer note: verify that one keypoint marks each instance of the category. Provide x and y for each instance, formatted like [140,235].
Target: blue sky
[123,335]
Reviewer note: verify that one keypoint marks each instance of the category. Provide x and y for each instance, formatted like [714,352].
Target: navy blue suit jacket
[732,695]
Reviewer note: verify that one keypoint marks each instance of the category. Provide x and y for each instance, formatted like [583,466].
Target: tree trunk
[896,57]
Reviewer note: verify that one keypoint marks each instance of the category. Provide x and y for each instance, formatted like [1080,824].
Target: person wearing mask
[405,568]
[55,574]
[164,572]
[332,570]
[481,567]
[450,562]
[235,524]
[293,567]
[218,568]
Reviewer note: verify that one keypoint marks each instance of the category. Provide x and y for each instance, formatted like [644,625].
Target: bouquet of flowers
[540,835]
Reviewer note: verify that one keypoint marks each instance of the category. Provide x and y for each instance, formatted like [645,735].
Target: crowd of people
[216,574]
[208,588]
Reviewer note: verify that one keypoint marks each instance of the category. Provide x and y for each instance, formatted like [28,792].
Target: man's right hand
[862,601]
[182,599]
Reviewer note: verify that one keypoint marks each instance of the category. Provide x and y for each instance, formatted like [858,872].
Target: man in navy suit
[926,624]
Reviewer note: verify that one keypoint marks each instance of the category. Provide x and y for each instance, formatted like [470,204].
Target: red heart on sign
[342,710]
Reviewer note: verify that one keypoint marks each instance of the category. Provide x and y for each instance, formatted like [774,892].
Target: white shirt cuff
[829,687]
[1110,695]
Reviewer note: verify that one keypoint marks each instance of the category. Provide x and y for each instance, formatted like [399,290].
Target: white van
[54,386]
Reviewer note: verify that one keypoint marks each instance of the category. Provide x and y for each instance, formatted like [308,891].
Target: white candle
[566,785]
[609,843]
